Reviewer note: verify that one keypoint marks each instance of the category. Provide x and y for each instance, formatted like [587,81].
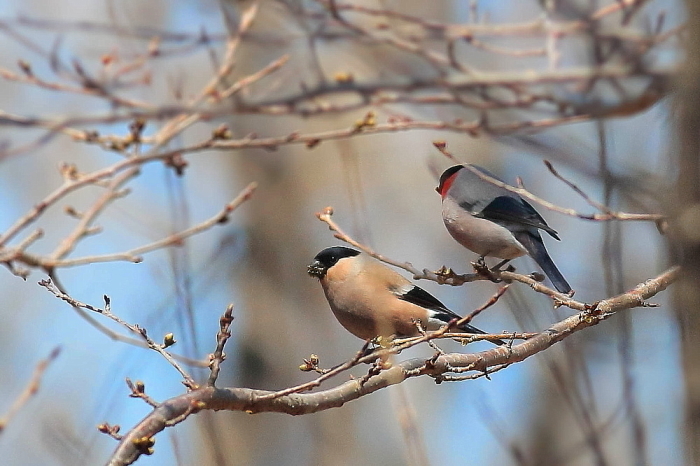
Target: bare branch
[106,311]
[30,390]
[608,214]
[222,337]
[255,401]
[115,336]
[134,255]
[175,239]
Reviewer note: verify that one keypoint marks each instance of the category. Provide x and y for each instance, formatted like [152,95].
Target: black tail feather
[446,316]
[471,329]
[535,247]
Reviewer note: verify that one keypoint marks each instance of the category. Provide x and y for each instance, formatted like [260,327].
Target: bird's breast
[479,235]
[369,311]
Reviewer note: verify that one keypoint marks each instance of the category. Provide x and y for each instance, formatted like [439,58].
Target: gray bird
[492,221]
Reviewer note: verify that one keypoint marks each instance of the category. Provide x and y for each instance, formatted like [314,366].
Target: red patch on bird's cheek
[445,186]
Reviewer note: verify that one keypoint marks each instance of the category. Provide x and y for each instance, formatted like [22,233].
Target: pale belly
[481,236]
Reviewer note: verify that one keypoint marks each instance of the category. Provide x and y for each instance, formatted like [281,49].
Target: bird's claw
[482,269]
[480,263]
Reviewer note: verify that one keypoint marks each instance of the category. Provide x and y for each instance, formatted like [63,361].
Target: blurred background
[612,394]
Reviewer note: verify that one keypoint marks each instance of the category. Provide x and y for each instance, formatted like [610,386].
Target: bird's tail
[535,247]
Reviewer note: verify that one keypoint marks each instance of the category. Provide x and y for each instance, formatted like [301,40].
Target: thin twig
[175,239]
[138,390]
[399,345]
[579,191]
[359,358]
[30,389]
[133,255]
[521,191]
[482,363]
[446,275]
[87,316]
[82,228]
[106,311]
[222,336]
[493,300]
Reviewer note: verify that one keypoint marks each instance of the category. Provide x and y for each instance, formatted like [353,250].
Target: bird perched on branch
[492,221]
[371,300]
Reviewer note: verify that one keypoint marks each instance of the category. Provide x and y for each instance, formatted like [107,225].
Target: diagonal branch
[608,214]
[31,388]
[255,401]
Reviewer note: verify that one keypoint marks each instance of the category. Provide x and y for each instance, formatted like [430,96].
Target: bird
[370,300]
[492,221]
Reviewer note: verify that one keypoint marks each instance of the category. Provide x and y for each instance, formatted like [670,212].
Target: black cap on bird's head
[461,183]
[447,178]
[327,258]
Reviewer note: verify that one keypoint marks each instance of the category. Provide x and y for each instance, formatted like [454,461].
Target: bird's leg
[371,346]
[498,266]
[480,265]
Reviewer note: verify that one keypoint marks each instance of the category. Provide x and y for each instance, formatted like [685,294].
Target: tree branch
[255,401]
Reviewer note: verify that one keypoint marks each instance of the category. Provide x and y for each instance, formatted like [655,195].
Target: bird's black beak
[316,269]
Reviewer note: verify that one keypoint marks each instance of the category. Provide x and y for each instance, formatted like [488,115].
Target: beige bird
[371,300]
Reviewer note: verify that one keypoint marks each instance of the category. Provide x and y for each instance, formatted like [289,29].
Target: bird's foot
[480,263]
[482,269]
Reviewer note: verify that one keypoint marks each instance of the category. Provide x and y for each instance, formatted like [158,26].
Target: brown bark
[685,239]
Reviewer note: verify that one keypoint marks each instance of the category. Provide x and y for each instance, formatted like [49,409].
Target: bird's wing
[437,311]
[422,298]
[517,211]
